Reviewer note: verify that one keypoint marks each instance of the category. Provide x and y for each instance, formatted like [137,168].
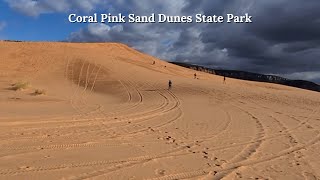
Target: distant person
[170,84]
[224,80]
[154,62]
[195,75]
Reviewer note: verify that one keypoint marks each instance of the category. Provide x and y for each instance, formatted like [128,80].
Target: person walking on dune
[170,84]
[195,75]
[224,80]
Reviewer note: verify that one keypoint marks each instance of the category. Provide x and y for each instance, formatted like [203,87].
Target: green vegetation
[39,92]
[20,86]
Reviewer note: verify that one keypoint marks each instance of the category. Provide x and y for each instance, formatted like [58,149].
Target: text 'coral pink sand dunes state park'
[159,90]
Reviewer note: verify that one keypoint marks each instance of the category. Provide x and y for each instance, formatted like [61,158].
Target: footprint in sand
[239,176]
[210,176]
[309,176]
[151,129]
[25,167]
[205,155]
[160,172]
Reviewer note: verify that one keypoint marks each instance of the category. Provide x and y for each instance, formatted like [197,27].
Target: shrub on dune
[20,86]
[38,92]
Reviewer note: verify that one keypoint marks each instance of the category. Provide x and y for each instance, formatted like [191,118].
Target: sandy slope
[107,114]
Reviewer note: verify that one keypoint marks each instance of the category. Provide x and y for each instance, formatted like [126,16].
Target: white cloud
[37,7]
[311,76]
[3,24]
[103,31]
[96,32]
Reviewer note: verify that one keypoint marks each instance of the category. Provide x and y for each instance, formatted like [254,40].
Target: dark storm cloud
[289,21]
[284,38]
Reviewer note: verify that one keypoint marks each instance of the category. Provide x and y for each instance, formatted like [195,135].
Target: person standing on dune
[224,80]
[170,84]
[195,75]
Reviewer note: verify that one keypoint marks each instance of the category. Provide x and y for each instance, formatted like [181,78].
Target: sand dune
[106,113]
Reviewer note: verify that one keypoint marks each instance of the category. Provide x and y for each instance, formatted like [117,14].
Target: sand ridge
[107,113]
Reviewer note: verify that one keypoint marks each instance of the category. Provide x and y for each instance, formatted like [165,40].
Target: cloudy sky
[284,38]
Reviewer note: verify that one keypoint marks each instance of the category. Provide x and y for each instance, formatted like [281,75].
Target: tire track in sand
[212,172]
[188,174]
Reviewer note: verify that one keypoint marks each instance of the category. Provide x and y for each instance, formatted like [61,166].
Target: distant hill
[254,77]
[11,41]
